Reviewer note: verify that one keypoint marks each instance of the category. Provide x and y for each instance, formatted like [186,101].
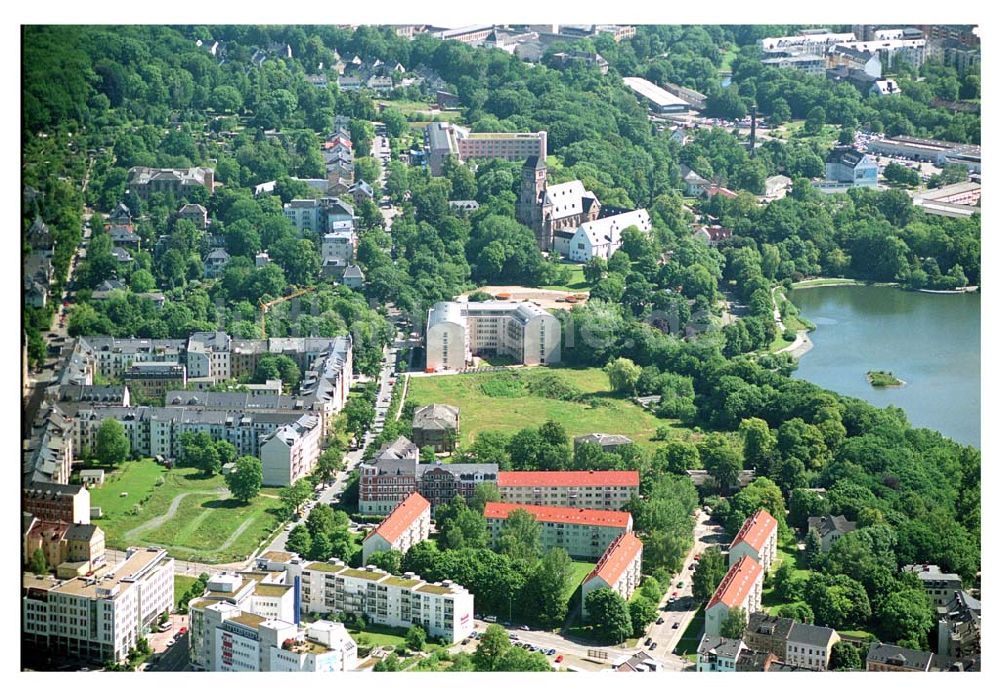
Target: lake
[930,341]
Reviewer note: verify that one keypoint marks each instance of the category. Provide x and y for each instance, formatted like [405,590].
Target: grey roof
[292,432]
[436,416]
[397,450]
[602,439]
[720,646]
[772,626]
[121,255]
[827,524]
[94,393]
[845,155]
[81,532]
[354,271]
[780,666]
[462,471]
[895,655]
[815,635]
[445,312]
[752,660]
[42,489]
[534,163]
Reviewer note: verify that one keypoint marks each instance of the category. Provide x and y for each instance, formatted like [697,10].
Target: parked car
[652,646]
[551,652]
[659,621]
[680,585]
[559,659]
[673,595]
[676,625]
[182,631]
[490,619]
[524,627]
[649,641]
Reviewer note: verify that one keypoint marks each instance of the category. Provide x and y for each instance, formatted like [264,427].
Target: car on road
[692,566]
[524,627]
[680,585]
[550,652]
[513,637]
[676,625]
[465,641]
[652,646]
[182,631]
[659,621]
[698,557]
[559,659]
[649,641]
[490,619]
[673,595]
[171,642]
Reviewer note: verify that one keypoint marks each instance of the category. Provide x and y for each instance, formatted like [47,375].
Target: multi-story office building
[98,618]
[408,524]
[939,586]
[619,569]
[290,452]
[740,588]
[338,246]
[523,330]
[757,538]
[587,489]
[582,533]
[113,356]
[447,139]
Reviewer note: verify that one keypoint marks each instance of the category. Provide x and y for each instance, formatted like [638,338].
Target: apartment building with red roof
[586,489]
[740,588]
[583,533]
[619,569]
[758,538]
[408,524]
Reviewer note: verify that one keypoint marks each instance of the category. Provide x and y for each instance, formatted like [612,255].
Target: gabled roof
[735,586]
[568,479]
[895,655]
[617,558]
[561,515]
[756,530]
[714,645]
[815,635]
[825,525]
[436,416]
[401,518]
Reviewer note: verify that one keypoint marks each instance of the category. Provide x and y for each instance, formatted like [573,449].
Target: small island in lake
[883,379]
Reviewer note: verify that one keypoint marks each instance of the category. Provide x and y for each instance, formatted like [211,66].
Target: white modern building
[338,246]
[740,588]
[757,538]
[587,489]
[657,98]
[458,330]
[98,618]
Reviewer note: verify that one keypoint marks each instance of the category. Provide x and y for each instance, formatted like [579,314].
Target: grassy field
[601,412]
[727,60]
[793,129]
[825,282]
[787,552]
[181,584]
[691,638]
[381,635]
[580,572]
[576,283]
[181,510]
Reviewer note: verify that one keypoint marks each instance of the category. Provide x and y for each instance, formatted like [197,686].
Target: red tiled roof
[563,515]
[735,586]
[568,479]
[755,530]
[616,558]
[405,513]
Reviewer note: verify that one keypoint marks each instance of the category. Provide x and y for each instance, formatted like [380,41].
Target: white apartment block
[98,618]
[586,489]
[740,588]
[443,609]
[757,538]
[523,330]
[290,452]
[407,525]
[208,355]
[582,533]
[338,246]
[619,569]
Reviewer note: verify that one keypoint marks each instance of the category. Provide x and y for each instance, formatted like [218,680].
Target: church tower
[529,203]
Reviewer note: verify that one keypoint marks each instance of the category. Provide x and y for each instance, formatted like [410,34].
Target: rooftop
[324,567]
[737,583]
[616,558]
[272,590]
[402,517]
[364,574]
[401,582]
[657,95]
[568,479]
[756,530]
[561,515]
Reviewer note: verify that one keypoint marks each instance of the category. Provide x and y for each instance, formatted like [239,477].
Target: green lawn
[206,524]
[691,638]
[826,282]
[576,282]
[786,553]
[604,412]
[381,635]
[727,60]
[181,584]
[580,572]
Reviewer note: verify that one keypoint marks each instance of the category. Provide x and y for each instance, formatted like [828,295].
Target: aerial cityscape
[500,348]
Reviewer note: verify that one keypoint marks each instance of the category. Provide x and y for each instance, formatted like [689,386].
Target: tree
[111,446]
[415,638]
[787,587]
[277,367]
[549,583]
[39,565]
[906,616]
[491,647]
[594,270]
[299,541]
[609,613]
[388,664]
[845,656]
[522,660]
[295,496]
[709,572]
[623,374]
[391,561]
[329,463]
[815,120]
[486,492]
[320,520]
[225,450]
[799,611]
[642,613]
[520,536]
[734,624]
[814,548]
[721,459]
[244,478]
[677,457]
[758,443]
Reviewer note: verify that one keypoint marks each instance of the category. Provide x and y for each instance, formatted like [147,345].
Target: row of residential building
[395,472]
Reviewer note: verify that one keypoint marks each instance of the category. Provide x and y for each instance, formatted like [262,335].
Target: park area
[580,399]
[195,518]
